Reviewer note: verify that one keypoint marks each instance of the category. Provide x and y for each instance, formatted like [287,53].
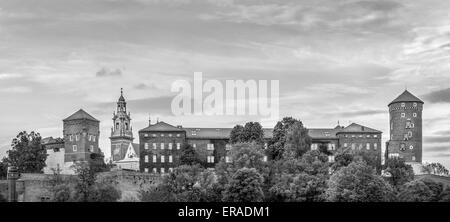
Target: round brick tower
[405,114]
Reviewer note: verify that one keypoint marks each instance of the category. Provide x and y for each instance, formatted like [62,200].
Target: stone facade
[405,115]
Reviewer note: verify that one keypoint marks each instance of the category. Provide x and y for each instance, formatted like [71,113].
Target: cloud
[361,113]
[16,89]
[439,148]
[437,139]
[4,76]
[439,96]
[106,72]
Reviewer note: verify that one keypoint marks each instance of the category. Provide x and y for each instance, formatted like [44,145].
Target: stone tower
[81,133]
[405,114]
[121,132]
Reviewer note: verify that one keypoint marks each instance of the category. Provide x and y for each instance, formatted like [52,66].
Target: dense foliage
[27,153]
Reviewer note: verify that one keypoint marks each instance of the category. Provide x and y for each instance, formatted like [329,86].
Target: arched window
[117,125]
[126,126]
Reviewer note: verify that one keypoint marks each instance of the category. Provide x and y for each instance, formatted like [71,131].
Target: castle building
[79,142]
[124,153]
[405,118]
[160,143]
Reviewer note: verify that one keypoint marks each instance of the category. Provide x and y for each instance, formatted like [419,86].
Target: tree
[297,141]
[415,191]
[342,158]
[301,188]
[27,153]
[445,195]
[62,193]
[248,155]
[276,144]
[400,172]
[3,168]
[253,132]
[434,168]
[358,182]
[436,189]
[86,180]
[237,134]
[188,155]
[245,186]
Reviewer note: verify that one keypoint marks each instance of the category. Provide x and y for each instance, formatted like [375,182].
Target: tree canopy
[27,153]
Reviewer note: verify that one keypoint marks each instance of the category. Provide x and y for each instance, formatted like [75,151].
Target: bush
[61,193]
[415,191]
[245,186]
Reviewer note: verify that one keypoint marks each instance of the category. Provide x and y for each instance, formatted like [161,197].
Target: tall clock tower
[405,114]
[121,132]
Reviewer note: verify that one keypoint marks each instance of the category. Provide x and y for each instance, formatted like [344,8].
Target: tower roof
[121,98]
[406,96]
[81,114]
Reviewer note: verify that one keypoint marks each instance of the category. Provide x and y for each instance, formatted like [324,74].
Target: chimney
[149,120]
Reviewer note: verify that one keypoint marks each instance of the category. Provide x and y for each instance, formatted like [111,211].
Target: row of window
[404,104]
[353,145]
[330,146]
[162,135]
[397,155]
[162,146]
[361,135]
[163,159]
[75,148]
[403,115]
[77,137]
[161,170]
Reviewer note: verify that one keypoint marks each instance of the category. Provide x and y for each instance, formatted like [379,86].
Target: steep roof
[323,133]
[161,127]
[406,96]
[81,114]
[356,128]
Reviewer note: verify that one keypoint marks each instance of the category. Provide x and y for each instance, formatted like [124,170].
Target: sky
[335,61]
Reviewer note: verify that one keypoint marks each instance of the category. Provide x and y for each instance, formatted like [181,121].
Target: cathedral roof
[161,127]
[81,114]
[406,96]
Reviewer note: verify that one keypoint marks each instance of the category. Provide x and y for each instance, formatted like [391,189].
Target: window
[360,146]
[146,158]
[154,170]
[314,146]
[178,146]
[162,135]
[345,144]
[162,146]
[154,146]
[77,137]
[74,147]
[411,147]
[162,170]
[331,159]
[360,136]
[414,114]
[265,158]
[162,158]
[391,155]
[330,146]
[170,159]
[93,138]
[227,159]
[170,146]
[170,170]
[228,146]
[170,134]
[375,136]
[210,146]
[403,115]
[154,135]
[265,145]
[146,135]
[353,146]
[70,137]
[154,158]
[91,149]
[375,146]
[409,134]
[415,104]
[146,146]
[210,159]
[353,136]
[368,136]
[413,158]
[89,137]
[178,135]
[146,170]
[194,145]
[403,104]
